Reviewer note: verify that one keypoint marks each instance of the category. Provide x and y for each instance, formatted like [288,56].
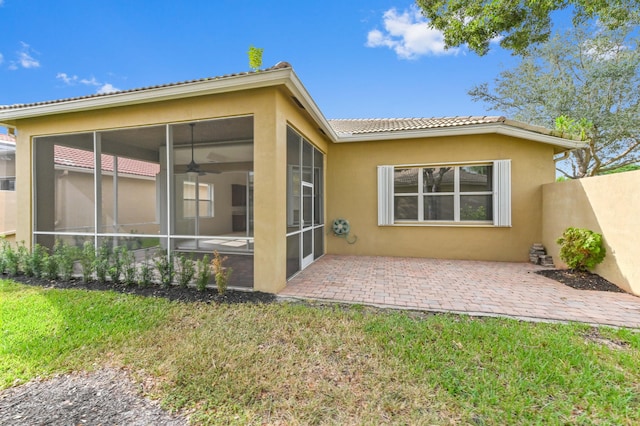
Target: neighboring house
[248,165]
[7,186]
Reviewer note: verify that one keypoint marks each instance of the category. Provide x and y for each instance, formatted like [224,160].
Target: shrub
[115,266]
[66,256]
[88,261]
[11,258]
[128,267]
[3,256]
[25,261]
[581,249]
[145,275]
[222,274]
[164,266]
[101,263]
[203,273]
[186,270]
[51,268]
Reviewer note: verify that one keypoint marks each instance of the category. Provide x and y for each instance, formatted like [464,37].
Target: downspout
[564,156]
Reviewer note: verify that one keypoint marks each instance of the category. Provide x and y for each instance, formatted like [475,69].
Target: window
[8,183]
[200,202]
[458,193]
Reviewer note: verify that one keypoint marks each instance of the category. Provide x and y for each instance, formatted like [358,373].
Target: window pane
[438,179]
[405,181]
[405,208]
[438,207]
[476,207]
[476,178]
[205,208]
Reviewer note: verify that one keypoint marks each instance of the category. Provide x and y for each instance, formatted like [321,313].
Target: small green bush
[164,266]
[581,249]
[203,268]
[186,270]
[66,256]
[145,274]
[87,261]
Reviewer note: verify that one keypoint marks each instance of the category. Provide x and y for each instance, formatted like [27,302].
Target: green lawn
[301,364]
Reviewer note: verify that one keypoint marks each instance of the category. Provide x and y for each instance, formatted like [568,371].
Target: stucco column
[269,199]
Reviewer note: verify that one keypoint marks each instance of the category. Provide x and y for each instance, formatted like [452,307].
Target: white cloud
[107,88]
[25,60]
[409,35]
[69,80]
[72,80]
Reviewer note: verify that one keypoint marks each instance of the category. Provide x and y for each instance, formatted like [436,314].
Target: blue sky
[374,59]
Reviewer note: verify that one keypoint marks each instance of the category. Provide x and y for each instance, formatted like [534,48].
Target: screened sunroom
[173,188]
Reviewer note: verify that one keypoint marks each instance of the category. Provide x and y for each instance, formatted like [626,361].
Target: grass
[300,364]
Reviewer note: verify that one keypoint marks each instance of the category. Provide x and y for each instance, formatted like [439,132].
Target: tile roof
[379,125]
[279,65]
[73,157]
[7,138]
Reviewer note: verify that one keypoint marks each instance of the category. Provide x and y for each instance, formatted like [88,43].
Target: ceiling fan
[193,168]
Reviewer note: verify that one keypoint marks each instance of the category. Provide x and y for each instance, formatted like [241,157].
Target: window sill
[466,224]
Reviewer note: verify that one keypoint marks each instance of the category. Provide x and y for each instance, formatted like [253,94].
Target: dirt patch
[594,336]
[175,293]
[580,280]
[104,397]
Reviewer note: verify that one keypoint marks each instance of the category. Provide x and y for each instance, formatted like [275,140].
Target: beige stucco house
[247,164]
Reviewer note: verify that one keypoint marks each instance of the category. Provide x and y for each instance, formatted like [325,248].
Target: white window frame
[197,200]
[501,193]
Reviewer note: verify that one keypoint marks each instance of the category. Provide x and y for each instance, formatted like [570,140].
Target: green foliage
[186,270]
[586,83]
[101,263]
[518,24]
[569,127]
[3,257]
[222,273]
[128,267]
[12,259]
[581,249]
[88,261]
[627,168]
[255,57]
[203,273]
[473,213]
[51,268]
[164,265]
[115,267]
[66,256]
[145,272]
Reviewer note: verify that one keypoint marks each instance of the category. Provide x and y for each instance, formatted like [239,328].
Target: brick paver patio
[471,287]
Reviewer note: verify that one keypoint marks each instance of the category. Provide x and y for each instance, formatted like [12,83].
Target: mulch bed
[174,293]
[580,280]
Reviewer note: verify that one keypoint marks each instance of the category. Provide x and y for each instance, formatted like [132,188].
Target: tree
[517,23]
[589,76]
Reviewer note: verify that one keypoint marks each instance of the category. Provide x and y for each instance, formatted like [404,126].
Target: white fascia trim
[298,90]
[178,91]
[497,128]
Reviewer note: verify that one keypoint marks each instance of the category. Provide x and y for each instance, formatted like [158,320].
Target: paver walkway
[472,287]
